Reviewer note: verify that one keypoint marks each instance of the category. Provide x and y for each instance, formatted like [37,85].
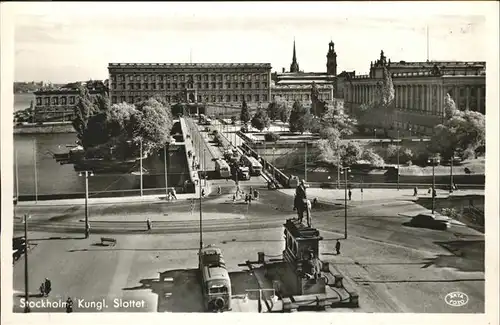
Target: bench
[109,240]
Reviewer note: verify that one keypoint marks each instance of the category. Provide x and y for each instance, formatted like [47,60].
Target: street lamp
[434,161]
[344,171]
[397,168]
[26,290]
[165,162]
[86,173]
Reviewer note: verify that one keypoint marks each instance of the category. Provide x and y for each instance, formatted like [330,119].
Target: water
[53,178]
[23,101]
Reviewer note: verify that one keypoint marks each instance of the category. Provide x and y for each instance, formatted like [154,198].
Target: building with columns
[297,84]
[190,82]
[420,89]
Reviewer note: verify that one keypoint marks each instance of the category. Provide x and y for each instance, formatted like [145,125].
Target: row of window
[197,77]
[56,100]
[183,85]
[200,98]
[301,96]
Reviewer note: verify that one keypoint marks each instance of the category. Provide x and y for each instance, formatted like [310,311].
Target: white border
[380,9]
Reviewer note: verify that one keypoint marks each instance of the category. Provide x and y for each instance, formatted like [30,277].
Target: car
[428,220]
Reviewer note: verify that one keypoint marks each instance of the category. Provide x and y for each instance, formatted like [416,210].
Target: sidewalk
[373,194]
[120,200]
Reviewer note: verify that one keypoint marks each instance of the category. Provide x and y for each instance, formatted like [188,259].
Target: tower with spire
[331,60]
[294,67]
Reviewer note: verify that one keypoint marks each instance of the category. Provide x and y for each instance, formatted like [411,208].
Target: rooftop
[190,65]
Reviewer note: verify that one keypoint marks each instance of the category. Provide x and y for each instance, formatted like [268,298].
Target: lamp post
[305,161]
[140,162]
[274,161]
[165,162]
[451,171]
[434,161]
[26,290]
[35,171]
[338,166]
[87,173]
[344,171]
[17,178]
[397,169]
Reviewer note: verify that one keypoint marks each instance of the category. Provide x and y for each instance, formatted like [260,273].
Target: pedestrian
[249,198]
[350,194]
[246,198]
[256,194]
[219,190]
[234,198]
[202,192]
[148,224]
[315,202]
[337,247]
[174,193]
[415,191]
[69,305]
[434,194]
[429,190]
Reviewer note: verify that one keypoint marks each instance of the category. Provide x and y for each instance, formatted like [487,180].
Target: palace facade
[420,89]
[190,82]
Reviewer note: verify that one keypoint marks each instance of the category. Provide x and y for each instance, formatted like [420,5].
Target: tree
[300,118]
[462,133]
[372,157]
[274,110]
[84,109]
[335,117]
[245,114]
[260,120]
[284,111]
[102,103]
[152,123]
[350,153]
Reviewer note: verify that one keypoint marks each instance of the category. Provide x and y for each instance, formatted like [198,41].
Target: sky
[63,42]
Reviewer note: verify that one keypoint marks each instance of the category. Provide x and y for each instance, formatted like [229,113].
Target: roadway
[395,268]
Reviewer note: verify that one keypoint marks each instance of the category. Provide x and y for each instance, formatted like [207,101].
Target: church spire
[294,67]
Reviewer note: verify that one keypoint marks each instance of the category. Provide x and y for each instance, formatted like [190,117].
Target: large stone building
[297,84]
[420,89]
[58,104]
[190,82]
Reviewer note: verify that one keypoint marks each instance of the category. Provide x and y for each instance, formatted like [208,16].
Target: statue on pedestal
[302,204]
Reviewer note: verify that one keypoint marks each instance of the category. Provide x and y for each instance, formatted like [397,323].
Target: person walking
[174,193]
[350,194]
[337,247]
[219,190]
[415,191]
[69,305]
[148,224]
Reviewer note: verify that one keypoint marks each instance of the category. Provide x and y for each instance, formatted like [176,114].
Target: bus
[215,280]
[222,168]
[252,163]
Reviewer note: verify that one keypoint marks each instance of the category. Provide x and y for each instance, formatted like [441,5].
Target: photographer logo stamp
[456,299]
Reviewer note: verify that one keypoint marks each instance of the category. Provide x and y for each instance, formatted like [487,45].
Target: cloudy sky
[63,42]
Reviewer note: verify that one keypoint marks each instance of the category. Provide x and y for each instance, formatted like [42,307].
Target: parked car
[428,220]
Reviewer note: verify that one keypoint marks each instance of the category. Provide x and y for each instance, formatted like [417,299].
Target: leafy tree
[245,113]
[285,111]
[350,153]
[260,120]
[335,117]
[84,109]
[300,118]
[372,157]
[96,132]
[102,103]
[152,123]
[274,110]
[462,133]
